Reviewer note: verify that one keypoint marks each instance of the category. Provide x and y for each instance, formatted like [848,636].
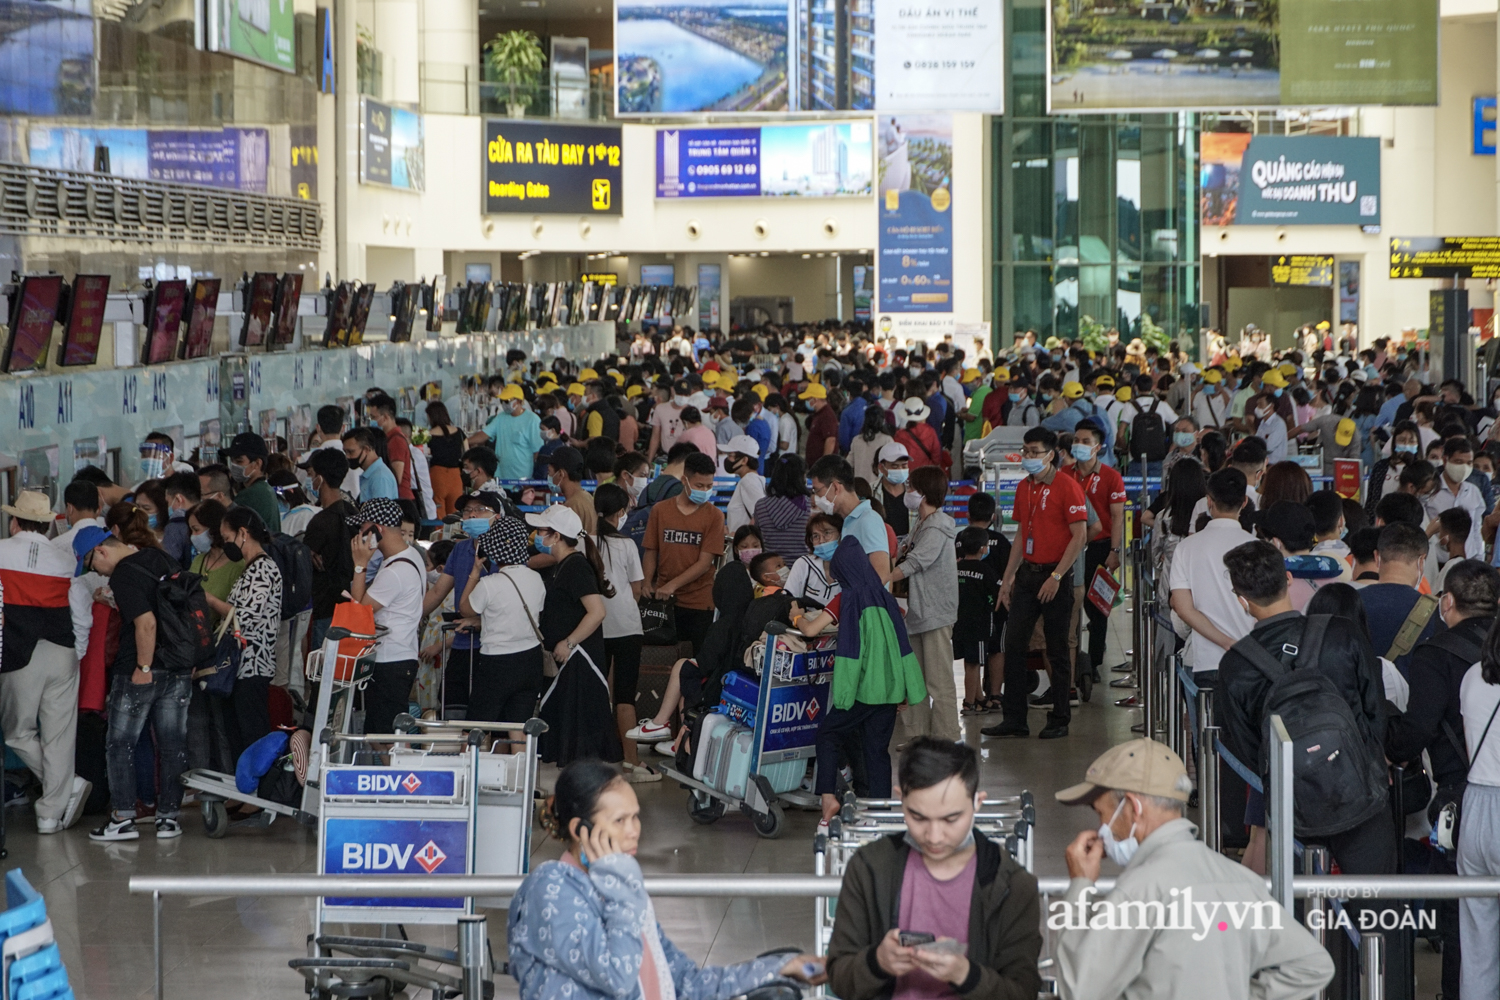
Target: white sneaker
[666,749]
[649,732]
[77,799]
[116,829]
[45,825]
[167,827]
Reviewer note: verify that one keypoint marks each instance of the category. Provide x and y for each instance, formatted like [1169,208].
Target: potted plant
[514,58]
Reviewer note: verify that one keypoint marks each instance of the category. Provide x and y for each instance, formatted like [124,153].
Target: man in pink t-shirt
[666,418]
[942,882]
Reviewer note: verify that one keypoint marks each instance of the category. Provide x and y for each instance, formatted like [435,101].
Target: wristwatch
[145,670]
[1057,577]
[359,569]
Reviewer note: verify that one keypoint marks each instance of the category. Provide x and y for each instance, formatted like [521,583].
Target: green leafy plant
[514,58]
[1092,333]
[366,61]
[1153,335]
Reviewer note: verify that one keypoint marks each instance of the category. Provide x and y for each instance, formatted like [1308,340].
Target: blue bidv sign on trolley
[395,847]
[1309,180]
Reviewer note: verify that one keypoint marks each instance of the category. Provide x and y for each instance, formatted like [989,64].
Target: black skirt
[579,713]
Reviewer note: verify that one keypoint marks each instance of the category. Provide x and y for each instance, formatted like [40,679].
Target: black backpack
[184,630]
[1338,778]
[1148,434]
[294,559]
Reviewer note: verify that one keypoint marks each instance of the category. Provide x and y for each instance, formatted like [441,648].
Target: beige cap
[1142,766]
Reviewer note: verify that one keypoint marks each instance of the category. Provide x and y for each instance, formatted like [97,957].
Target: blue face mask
[475,526]
[201,542]
[1277,393]
[153,521]
[283,509]
[1406,449]
[1015,397]
[1183,439]
[700,496]
[1083,452]
[1032,466]
[897,476]
[1045,397]
[542,546]
[825,550]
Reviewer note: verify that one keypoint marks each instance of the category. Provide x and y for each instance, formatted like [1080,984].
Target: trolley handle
[531,727]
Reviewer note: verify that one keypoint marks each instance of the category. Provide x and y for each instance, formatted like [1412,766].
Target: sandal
[973,708]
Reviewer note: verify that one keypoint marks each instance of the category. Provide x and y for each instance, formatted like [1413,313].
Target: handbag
[549,662]
[229,650]
[1447,806]
[659,621]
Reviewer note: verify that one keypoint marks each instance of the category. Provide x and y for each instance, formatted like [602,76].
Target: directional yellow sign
[1445,257]
[1303,269]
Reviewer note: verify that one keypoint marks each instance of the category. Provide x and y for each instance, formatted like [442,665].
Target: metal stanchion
[1372,966]
[1279,812]
[1315,862]
[1208,771]
[1176,738]
[1146,670]
[472,955]
[1137,617]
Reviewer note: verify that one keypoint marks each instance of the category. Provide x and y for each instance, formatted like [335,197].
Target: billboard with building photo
[914,200]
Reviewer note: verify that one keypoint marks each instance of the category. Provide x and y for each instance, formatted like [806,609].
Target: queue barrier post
[1208,771]
[1146,676]
[1315,862]
[1372,965]
[1279,813]
[1176,738]
[472,954]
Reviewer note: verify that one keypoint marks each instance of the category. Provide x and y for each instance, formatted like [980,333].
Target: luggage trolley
[759,766]
[335,707]
[1010,819]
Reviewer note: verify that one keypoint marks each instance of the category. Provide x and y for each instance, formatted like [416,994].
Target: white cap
[894,453]
[560,518]
[1188,368]
[754,374]
[742,444]
[1360,375]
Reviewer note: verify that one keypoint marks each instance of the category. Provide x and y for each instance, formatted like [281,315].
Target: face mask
[700,496]
[1033,466]
[475,526]
[748,554]
[282,509]
[825,550]
[897,476]
[782,574]
[542,546]
[1406,449]
[824,504]
[549,436]
[1277,393]
[1119,851]
[152,468]
[1263,412]
[680,400]
[1015,397]
[201,542]
[1083,452]
[1183,439]
[153,521]
[234,552]
[238,473]
[635,488]
[913,500]
[1457,473]
[1045,397]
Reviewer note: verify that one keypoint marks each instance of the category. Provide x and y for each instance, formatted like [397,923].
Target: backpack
[1148,434]
[1339,778]
[294,559]
[184,631]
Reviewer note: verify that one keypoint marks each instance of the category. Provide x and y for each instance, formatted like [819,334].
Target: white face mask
[1456,472]
[824,504]
[913,500]
[1119,851]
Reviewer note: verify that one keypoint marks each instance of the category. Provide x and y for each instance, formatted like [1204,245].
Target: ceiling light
[808,256]
[765,253]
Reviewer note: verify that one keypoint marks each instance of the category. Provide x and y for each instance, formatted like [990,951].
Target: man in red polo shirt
[1106,491]
[397,455]
[1051,518]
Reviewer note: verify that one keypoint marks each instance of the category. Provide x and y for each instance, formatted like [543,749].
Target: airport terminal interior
[870,328]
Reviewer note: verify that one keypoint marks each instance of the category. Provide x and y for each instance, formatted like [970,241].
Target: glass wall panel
[1031,177]
[1033,304]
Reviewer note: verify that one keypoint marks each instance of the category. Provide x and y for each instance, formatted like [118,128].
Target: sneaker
[666,749]
[822,830]
[1045,700]
[15,795]
[1007,730]
[45,825]
[78,797]
[640,774]
[649,732]
[167,827]
[116,829]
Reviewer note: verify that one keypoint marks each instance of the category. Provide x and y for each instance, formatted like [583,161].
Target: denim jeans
[165,703]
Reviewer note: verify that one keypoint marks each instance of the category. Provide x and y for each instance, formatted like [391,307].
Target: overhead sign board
[813,160]
[545,167]
[1445,257]
[1302,270]
[1278,180]
[393,147]
[262,31]
[938,57]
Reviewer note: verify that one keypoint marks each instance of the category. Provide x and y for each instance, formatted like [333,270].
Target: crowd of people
[853,511]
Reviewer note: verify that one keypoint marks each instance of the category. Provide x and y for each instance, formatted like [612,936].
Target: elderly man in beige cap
[1182,921]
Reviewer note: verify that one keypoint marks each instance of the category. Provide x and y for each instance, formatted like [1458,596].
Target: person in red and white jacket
[39,671]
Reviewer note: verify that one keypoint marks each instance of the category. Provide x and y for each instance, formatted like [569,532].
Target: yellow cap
[761,390]
[1002,374]
[515,377]
[546,376]
[587,375]
[1123,394]
[1344,432]
[615,374]
[1104,382]
[1274,379]
[576,389]
[1213,376]
[512,392]
[633,391]
[1287,368]
[1052,343]
[1233,363]
[728,380]
[970,375]
[1072,390]
[1324,325]
[814,391]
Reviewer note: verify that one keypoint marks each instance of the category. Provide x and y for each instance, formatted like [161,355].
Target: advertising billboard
[236,159]
[1277,180]
[939,57]
[537,167]
[46,58]
[1109,56]
[822,160]
[392,147]
[915,204]
[262,31]
[698,57]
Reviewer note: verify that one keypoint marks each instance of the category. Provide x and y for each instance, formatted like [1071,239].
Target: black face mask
[234,552]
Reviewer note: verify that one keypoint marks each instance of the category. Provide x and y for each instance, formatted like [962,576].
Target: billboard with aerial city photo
[700,56]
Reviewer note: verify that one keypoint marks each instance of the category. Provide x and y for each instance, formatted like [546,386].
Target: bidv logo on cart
[395,847]
[384,783]
[794,713]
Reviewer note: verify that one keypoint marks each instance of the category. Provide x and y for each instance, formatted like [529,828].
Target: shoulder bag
[549,662]
[1447,805]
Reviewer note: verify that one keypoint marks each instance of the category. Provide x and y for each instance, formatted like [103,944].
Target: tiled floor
[239,947]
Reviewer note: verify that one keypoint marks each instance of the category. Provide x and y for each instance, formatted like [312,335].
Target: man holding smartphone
[940,910]
[396,595]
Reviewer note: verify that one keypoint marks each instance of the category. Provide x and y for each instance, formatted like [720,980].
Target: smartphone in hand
[914,939]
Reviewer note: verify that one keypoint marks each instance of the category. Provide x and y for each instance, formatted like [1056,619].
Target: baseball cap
[1232,364]
[1002,374]
[1072,390]
[1274,378]
[576,389]
[633,391]
[894,452]
[1344,432]
[1123,393]
[512,392]
[1187,368]
[1360,375]
[1104,382]
[382,511]
[970,375]
[86,541]
[1289,522]
[813,391]
[760,390]
[247,445]
[546,375]
[741,444]
[1213,376]
[1324,325]
[1145,767]
[568,459]
[1287,368]
[559,518]
[587,375]
[489,498]
[717,403]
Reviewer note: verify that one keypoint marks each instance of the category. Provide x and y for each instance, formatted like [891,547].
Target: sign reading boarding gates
[1309,180]
[1302,270]
[544,167]
[1445,257]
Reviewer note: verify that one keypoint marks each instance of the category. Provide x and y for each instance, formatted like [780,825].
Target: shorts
[388,694]
[506,686]
[624,654]
[970,649]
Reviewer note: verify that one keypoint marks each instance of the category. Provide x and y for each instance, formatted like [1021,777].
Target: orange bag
[359,619]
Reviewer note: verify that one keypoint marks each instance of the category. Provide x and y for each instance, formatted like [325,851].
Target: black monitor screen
[360,314]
